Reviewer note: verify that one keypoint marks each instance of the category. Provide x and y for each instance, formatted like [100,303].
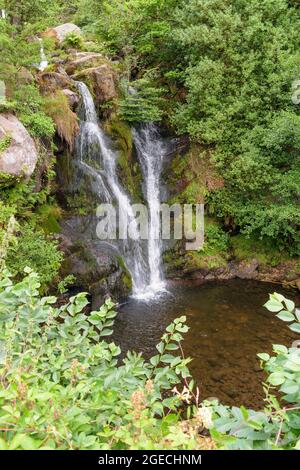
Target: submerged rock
[19,157]
[245,269]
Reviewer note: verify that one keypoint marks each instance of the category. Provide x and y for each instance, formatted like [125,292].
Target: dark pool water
[228,327]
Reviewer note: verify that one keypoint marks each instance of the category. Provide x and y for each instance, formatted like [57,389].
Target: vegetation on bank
[62,386]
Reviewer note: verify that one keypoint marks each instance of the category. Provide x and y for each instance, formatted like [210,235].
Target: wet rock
[96,271]
[20,157]
[246,269]
[59,33]
[102,79]
[73,98]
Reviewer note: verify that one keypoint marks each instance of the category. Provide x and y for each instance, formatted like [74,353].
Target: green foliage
[30,111]
[5,142]
[141,104]
[215,238]
[32,248]
[62,387]
[264,250]
[226,69]
[73,40]
[278,425]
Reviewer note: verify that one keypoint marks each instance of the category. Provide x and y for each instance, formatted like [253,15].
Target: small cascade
[97,158]
[43,62]
[151,150]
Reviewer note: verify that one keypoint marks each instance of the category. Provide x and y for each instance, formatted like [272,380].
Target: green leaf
[285,316]
[167,358]
[290,305]
[276,378]
[264,356]
[273,305]
[295,327]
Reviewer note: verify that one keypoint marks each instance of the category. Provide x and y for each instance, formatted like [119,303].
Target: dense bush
[34,249]
[228,69]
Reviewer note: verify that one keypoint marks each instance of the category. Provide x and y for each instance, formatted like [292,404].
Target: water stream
[43,61]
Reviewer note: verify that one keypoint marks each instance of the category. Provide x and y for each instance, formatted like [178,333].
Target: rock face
[245,269]
[73,98]
[83,60]
[96,271]
[102,79]
[20,157]
[50,81]
[60,32]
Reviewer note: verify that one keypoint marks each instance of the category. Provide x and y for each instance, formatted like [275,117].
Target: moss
[200,260]
[214,254]
[5,142]
[192,176]
[264,250]
[126,277]
[48,216]
[56,105]
[80,203]
[128,169]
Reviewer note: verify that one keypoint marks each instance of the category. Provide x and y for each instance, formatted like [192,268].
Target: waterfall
[97,158]
[43,62]
[150,150]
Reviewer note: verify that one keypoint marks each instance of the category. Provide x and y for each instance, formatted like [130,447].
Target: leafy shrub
[34,249]
[62,387]
[73,40]
[216,240]
[142,104]
[38,124]
[29,106]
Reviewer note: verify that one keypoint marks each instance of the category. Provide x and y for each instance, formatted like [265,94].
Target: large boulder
[19,156]
[59,33]
[83,60]
[102,79]
[97,269]
[50,81]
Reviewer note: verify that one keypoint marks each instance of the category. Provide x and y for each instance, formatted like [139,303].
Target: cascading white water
[97,158]
[43,62]
[150,151]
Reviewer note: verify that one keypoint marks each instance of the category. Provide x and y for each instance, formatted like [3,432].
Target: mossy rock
[129,171]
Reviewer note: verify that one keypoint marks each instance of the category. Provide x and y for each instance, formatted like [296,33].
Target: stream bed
[228,327]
